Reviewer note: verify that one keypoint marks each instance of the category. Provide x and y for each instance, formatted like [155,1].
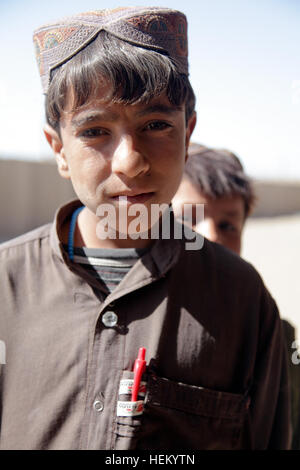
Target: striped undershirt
[108,265]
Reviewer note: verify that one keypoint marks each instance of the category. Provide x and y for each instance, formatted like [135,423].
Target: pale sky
[244,67]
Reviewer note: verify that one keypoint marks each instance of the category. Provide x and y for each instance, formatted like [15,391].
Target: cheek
[235,245]
[171,185]
[230,241]
[172,171]
[88,169]
[88,177]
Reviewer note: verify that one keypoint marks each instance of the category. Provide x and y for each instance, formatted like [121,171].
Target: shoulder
[219,284]
[222,277]
[16,248]
[216,261]
[229,264]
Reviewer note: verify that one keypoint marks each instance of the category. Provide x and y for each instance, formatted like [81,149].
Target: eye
[228,227]
[93,132]
[157,126]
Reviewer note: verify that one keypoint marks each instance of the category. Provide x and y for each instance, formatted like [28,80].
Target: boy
[77,306]
[216,179]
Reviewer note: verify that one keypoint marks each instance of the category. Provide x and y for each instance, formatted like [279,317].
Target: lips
[132,197]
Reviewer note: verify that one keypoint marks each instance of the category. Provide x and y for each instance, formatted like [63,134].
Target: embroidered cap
[160,29]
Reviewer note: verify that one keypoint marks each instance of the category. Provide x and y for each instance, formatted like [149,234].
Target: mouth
[132,198]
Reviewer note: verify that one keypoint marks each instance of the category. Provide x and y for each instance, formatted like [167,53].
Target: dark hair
[218,173]
[137,75]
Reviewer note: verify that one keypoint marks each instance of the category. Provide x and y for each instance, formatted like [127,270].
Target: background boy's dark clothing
[294,376]
[217,377]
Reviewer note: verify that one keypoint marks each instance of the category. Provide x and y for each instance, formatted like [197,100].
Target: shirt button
[109,319]
[98,405]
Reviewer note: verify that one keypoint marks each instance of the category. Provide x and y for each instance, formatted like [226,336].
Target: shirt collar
[62,214]
[158,260]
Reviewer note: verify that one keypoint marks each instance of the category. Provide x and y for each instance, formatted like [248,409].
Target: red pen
[138,369]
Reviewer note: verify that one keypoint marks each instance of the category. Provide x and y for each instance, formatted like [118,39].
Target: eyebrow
[92,117]
[159,108]
[233,213]
[106,115]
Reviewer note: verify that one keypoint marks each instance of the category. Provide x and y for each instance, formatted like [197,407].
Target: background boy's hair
[136,74]
[218,173]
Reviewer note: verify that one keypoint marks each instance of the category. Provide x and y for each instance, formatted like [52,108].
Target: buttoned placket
[105,366]
[106,361]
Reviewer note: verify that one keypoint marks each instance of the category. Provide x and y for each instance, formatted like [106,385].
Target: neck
[85,235]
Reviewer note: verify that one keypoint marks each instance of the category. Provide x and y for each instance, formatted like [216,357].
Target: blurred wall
[276,198]
[31,192]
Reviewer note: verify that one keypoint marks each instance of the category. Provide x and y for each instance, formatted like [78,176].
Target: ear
[56,144]
[189,130]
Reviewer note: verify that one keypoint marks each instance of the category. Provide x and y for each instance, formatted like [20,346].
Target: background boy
[75,308]
[216,179]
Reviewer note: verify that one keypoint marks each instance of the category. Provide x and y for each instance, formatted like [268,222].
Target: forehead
[231,205]
[102,106]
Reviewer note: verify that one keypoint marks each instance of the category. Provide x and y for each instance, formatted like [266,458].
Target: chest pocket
[186,417]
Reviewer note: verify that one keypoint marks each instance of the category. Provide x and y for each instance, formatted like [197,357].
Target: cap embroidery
[154,28]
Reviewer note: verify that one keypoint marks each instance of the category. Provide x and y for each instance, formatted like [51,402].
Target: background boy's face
[223,217]
[112,150]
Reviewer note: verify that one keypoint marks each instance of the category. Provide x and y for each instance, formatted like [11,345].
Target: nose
[128,160]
